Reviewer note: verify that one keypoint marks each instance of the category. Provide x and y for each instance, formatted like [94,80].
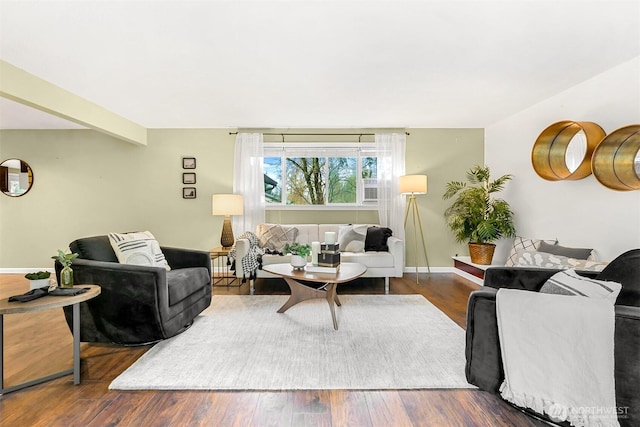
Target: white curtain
[390,148]
[248,180]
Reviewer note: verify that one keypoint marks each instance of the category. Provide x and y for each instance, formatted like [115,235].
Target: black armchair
[138,304]
[484,360]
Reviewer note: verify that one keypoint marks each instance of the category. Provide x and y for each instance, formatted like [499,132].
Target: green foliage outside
[308,183]
[306,180]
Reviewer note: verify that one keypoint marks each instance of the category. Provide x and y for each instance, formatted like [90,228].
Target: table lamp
[226,205]
[412,185]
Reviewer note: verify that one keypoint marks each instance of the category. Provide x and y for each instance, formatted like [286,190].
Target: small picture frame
[188,163]
[188,192]
[189,178]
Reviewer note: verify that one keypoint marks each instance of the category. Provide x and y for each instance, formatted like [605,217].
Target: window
[297,174]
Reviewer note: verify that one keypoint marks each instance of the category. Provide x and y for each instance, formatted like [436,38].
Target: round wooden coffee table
[45,303]
[301,292]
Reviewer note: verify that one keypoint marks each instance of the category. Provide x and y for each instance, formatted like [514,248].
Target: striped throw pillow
[568,282]
[138,249]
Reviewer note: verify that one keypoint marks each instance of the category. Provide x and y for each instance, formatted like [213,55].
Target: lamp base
[226,239]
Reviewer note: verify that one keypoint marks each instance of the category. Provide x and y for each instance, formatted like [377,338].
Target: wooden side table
[220,256]
[46,303]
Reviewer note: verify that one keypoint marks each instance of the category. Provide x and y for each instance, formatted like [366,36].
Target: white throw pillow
[523,244]
[138,249]
[275,236]
[568,282]
[351,238]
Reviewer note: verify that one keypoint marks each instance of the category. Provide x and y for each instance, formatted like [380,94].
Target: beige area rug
[241,343]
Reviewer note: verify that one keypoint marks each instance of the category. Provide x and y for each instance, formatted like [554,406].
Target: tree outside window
[317,180]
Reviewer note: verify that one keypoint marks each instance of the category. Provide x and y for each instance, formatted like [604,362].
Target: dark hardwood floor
[39,343]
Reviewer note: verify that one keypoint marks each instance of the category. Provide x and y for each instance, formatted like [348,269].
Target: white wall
[579,213]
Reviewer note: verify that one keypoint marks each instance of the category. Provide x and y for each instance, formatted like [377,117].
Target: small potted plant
[66,274]
[476,216]
[38,280]
[299,254]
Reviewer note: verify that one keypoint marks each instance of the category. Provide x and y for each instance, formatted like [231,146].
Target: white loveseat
[378,263]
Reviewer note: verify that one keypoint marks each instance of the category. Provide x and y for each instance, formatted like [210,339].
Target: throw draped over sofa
[138,304]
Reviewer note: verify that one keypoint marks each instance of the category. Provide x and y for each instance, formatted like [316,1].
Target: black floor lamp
[412,185]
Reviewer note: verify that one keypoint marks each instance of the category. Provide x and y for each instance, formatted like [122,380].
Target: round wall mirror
[576,151]
[563,150]
[616,161]
[16,177]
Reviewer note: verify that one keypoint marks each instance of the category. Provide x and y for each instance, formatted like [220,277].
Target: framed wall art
[188,163]
[189,192]
[189,178]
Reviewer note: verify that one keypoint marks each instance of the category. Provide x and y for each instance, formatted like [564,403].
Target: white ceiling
[314,64]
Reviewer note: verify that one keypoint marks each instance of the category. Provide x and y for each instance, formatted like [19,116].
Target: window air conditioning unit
[370,190]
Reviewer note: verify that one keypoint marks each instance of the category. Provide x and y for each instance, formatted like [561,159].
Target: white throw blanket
[557,353]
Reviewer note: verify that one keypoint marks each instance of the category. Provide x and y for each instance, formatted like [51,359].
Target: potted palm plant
[299,253]
[476,215]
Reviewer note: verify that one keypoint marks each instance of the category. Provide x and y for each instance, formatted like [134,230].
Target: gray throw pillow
[577,253]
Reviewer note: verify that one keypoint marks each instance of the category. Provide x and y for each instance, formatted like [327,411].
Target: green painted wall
[443,155]
[88,183]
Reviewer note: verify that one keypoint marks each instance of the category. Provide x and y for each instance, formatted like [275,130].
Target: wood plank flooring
[37,344]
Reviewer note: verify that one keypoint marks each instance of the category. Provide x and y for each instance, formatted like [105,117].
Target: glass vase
[66,277]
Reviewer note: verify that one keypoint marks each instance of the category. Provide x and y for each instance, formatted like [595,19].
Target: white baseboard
[25,270]
[425,270]
[471,277]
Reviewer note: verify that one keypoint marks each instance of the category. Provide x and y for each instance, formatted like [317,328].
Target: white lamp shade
[413,184]
[226,204]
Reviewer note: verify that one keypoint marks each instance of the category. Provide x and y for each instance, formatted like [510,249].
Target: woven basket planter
[481,253]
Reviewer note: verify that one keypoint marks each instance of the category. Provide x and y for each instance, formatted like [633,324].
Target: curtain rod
[315,134]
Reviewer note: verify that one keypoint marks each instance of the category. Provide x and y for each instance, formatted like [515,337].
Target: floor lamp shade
[227,205]
[416,184]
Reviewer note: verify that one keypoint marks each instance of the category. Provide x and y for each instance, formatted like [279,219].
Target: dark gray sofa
[138,304]
[484,360]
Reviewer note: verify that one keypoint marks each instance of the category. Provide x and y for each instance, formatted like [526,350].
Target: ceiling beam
[27,89]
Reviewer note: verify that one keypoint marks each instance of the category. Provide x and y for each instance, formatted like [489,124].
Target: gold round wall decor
[563,150]
[616,160]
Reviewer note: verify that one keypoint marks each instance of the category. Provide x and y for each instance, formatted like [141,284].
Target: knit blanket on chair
[557,354]
[252,261]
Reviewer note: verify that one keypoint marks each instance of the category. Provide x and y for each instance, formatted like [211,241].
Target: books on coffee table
[310,268]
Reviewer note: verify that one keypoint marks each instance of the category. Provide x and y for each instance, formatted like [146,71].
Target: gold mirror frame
[614,159]
[548,155]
